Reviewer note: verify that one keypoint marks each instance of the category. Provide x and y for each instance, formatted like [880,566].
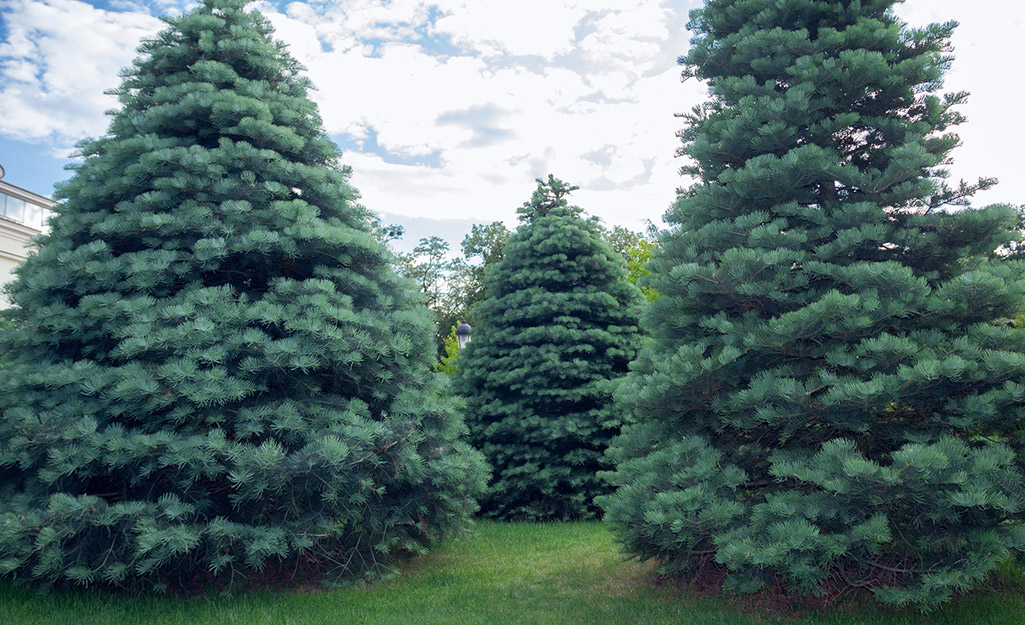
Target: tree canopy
[832,398]
[213,367]
[558,322]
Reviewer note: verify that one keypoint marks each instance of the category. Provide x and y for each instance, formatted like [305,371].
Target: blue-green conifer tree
[559,321]
[833,396]
[214,368]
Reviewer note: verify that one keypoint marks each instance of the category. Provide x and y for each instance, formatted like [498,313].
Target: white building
[23,215]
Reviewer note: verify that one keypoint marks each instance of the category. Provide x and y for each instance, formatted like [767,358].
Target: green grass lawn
[500,573]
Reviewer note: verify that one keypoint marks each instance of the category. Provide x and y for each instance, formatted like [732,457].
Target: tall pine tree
[833,396]
[214,368]
[558,322]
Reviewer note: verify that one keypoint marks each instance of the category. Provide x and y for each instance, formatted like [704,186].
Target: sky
[447,110]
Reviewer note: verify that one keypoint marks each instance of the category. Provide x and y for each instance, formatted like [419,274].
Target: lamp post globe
[463,332]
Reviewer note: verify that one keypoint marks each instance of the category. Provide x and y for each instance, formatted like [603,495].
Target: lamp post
[463,332]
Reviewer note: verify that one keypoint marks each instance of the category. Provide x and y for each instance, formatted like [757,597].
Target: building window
[17,209]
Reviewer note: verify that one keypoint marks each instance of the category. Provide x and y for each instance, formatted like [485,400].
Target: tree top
[548,198]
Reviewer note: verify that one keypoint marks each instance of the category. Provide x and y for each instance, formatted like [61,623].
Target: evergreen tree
[558,322]
[215,369]
[833,396]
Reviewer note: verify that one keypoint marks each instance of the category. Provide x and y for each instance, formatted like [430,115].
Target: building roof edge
[24,194]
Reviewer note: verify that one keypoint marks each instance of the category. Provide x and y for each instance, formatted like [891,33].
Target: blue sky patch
[369,145]
[31,166]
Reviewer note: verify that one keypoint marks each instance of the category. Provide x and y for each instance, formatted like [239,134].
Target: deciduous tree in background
[637,249]
[482,248]
[834,395]
[558,322]
[214,368]
[442,280]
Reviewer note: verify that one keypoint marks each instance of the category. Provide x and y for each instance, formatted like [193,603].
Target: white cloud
[345,26]
[987,50]
[58,59]
[540,117]
[523,28]
[479,97]
[629,38]
[487,123]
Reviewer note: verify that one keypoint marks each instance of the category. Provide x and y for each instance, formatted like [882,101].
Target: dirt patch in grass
[776,602]
[626,580]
